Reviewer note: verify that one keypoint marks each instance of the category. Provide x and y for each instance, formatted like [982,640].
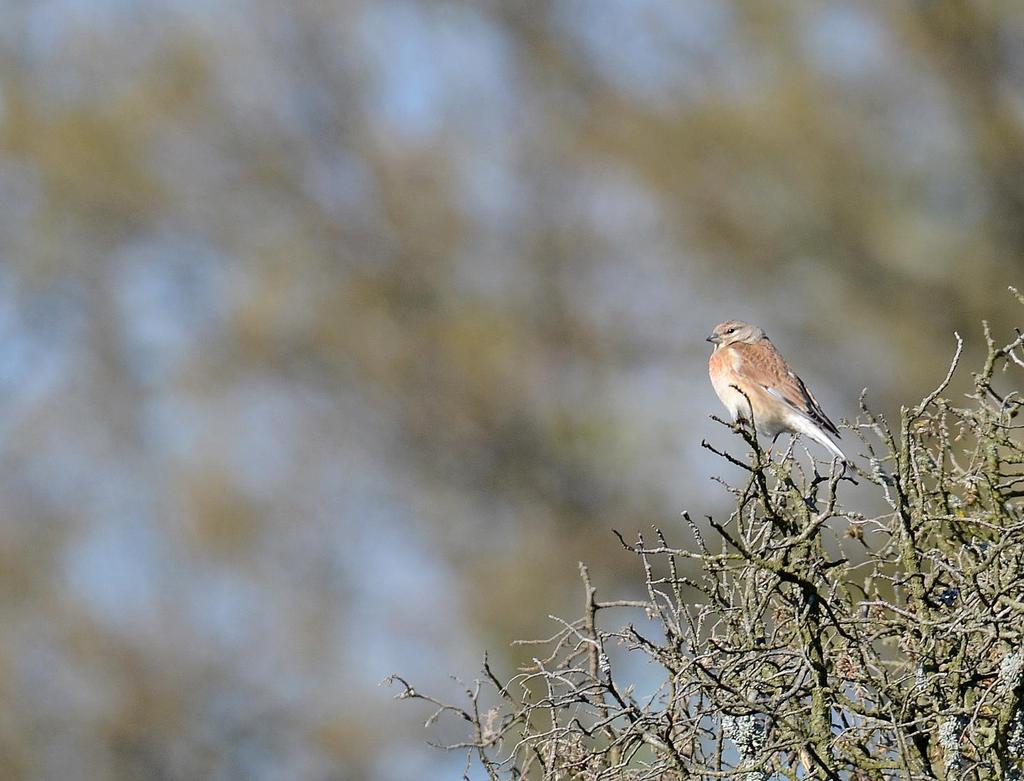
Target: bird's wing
[761,364]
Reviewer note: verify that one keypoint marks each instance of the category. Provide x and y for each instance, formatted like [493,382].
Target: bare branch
[775,651]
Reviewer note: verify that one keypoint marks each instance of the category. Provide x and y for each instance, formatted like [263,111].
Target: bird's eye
[730,330]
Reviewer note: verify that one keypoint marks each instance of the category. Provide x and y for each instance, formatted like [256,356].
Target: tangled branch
[797,639]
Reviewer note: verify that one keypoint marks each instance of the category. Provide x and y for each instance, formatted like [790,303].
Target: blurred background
[333,335]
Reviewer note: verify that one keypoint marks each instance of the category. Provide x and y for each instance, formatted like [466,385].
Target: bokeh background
[333,335]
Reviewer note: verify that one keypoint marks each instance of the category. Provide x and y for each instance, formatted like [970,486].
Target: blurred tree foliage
[332,331]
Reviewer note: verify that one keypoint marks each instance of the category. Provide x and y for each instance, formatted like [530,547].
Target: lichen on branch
[801,637]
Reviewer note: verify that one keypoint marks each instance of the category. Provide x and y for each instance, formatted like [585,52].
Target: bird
[756,385]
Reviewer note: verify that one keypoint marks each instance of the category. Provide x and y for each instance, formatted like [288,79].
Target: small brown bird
[745,358]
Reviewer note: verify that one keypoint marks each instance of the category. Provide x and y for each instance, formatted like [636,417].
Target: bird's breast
[722,369]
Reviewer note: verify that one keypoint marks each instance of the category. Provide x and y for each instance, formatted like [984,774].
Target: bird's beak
[714,339]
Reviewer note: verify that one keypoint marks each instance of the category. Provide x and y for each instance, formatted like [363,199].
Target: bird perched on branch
[756,384]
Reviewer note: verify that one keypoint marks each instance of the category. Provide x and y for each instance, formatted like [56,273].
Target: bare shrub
[776,654]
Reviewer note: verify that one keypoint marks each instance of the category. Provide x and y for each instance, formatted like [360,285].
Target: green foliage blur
[332,336]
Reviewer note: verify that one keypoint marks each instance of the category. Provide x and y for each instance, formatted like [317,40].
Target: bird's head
[733,331]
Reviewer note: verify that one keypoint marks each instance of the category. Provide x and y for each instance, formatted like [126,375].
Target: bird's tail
[818,435]
[828,442]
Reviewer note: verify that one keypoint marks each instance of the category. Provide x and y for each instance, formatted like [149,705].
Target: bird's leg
[741,423]
[747,426]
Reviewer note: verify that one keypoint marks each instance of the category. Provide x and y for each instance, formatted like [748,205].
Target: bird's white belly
[742,407]
[735,402]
